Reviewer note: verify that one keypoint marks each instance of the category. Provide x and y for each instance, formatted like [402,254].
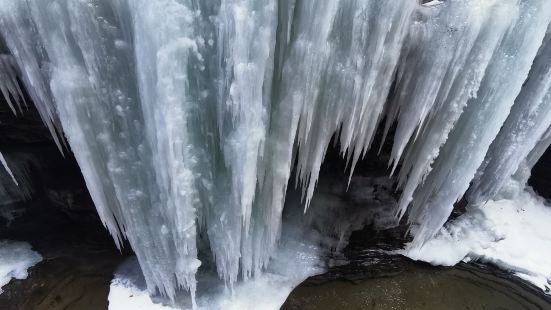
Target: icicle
[448,54]
[15,183]
[9,86]
[484,115]
[22,39]
[337,76]
[7,168]
[525,127]
[246,37]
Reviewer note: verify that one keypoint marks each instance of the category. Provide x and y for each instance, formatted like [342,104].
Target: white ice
[15,185]
[267,291]
[511,232]
[294,262]
[15,258]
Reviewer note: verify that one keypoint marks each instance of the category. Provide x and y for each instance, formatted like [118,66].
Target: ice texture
[15,258]
[187,117]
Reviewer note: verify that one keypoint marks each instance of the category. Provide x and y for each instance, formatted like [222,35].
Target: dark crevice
[540,179]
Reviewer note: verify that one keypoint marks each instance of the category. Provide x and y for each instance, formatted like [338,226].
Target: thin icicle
[9,86]
[7,168]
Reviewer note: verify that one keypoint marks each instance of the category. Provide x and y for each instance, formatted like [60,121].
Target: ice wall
[187,117]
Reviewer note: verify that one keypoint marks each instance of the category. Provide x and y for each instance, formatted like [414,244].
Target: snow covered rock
[15,258]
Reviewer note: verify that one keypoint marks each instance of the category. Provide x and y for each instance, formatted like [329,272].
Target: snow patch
[15,258]
[123,294]
[511,233]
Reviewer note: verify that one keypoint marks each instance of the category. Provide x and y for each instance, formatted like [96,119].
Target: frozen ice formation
[187,117]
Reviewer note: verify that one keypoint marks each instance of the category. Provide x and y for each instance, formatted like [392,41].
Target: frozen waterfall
[187,117]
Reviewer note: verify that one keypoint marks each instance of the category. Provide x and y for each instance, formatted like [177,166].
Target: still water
[397,283]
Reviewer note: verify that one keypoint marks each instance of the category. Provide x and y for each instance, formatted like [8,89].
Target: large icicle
[118,138]
[337,76]
[331,76]
[447,56]
[470,138]
[245,43]
[525,127]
